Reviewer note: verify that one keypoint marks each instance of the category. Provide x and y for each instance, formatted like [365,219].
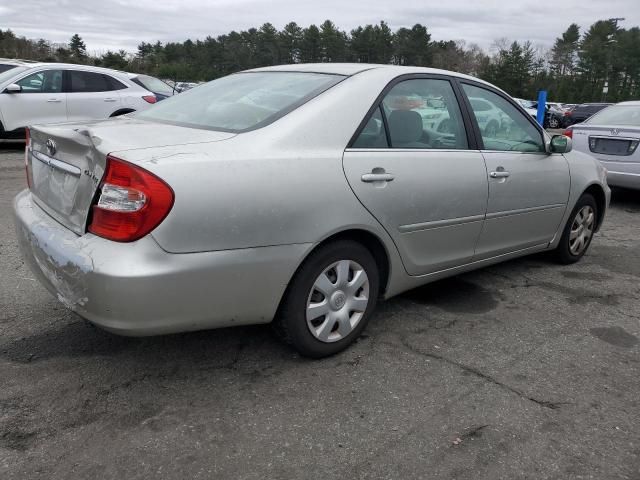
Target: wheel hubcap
[581,230]
[337,301]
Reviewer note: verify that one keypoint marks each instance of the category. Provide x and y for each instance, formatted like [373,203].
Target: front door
[412,168]
[528,187]
[41,100]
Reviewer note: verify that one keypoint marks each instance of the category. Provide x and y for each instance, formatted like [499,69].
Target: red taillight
[131,204]
[567,113]
[568,132]
[150,98]
[27,146]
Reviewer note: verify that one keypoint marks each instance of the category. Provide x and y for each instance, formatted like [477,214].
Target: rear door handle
[377,177]
[54,100]
[499,174]
[109,99]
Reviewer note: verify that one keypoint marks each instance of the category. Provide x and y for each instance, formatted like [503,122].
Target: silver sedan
[612,136]
[300,194]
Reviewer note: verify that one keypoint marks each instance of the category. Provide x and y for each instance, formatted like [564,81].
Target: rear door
[41,100]
[528,187]
[426,186]
[91,96]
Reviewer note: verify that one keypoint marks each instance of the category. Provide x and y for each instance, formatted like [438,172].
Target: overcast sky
[116,24]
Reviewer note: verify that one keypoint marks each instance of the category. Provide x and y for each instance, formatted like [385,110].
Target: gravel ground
[522,370]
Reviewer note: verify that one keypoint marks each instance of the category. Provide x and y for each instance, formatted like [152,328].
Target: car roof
[74,66]
[16,61]
[630,103]
[355,68]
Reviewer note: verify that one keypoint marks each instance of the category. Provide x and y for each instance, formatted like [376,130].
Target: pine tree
[77,48]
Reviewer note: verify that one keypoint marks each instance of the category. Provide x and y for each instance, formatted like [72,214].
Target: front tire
[329,300]
[579,230]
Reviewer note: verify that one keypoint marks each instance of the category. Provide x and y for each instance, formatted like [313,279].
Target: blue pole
[542,102]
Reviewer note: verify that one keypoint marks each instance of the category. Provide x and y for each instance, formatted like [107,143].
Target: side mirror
[13,88]
[560,144]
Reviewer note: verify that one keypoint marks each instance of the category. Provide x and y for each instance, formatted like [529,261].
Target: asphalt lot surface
[523,370]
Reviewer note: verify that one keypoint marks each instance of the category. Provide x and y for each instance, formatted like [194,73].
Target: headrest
[405,126]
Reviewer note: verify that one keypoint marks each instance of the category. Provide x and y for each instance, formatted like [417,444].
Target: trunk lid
[608,143]
[66,162]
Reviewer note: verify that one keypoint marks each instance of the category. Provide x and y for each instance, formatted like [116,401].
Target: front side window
[502,126]
[48,81]
[424,113]
[88,82]
[240,102]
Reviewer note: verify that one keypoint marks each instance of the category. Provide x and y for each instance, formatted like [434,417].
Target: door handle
[109,99]
[377,177]
[499,174]
[54,100]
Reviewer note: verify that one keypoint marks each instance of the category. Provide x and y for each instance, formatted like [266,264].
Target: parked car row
[35,92]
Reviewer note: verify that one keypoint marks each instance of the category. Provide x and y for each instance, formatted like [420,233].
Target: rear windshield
[240,102]
[154,84]
[628,115]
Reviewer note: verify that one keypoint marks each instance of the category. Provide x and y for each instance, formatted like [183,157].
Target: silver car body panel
[252,206]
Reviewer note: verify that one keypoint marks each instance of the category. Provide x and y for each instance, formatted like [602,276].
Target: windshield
[155,85]
[241,102]
[628,115]
[6,75]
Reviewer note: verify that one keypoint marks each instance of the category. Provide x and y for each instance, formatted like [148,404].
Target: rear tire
[329,300]
[579,230]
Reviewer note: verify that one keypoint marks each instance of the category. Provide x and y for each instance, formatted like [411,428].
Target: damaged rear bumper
[139,289]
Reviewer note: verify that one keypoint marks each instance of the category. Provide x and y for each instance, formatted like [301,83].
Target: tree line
[575,69]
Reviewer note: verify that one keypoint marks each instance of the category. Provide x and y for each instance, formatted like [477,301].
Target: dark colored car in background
[581,112]
[154,85]
[553,117]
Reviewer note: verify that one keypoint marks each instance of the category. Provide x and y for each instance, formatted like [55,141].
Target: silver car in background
[612,136]
[300,194]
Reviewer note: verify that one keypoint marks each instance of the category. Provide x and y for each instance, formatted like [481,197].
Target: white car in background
[435,116]
[528,106]
[36,93]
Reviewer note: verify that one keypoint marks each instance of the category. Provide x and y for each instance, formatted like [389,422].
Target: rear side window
[114,84]
[373,135]
[89,82]
[241,102]
[420,113]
